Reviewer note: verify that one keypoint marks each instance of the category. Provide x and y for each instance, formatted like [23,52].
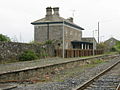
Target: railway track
[109,79]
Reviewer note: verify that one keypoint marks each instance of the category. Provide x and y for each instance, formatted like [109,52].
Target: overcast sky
[16,16]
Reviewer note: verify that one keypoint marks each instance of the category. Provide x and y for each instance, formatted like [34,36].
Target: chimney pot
[56,11]
[48,12]
[70,19]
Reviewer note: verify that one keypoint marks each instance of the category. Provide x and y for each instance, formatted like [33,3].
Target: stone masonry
[11,50]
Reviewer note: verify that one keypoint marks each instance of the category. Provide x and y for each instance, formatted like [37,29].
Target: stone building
[111,42]
[54,27]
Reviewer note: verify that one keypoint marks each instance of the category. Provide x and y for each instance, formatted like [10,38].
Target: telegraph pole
[73,13]
[93,44]
[98,33]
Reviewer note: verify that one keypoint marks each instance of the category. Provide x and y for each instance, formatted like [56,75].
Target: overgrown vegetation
[72,72]
[116,47]
[113,49]
[49,42]
[41,53]
[31,55]
[4,38]
[28,55]
[38,43]
[102,46]
[42,43]
[97,61]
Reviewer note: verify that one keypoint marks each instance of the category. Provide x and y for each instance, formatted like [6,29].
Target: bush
[117,46]
[113,49]
[4,38]
[48,42]
[102,46]
[28,55]
[41,53]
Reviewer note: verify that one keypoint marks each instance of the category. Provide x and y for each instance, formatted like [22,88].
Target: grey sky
[16,16]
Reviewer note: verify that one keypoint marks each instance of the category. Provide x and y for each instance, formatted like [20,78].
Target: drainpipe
[63,41]
[47,31]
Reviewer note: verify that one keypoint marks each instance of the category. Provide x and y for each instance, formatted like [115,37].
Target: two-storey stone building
[54,27]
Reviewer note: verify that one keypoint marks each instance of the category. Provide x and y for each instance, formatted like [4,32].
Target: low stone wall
[42,73]
[10,50]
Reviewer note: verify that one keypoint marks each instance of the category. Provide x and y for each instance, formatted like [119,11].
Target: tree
[102,46]
[117,46]
[4,38]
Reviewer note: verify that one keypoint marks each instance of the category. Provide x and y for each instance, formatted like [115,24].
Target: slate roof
[111,42]
[88,39]
[111,39]
[56,20]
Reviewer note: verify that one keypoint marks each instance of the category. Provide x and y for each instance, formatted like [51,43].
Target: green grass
[8,61]
[107,53]
[97,61]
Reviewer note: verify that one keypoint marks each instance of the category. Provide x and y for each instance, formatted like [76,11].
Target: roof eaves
[58,22]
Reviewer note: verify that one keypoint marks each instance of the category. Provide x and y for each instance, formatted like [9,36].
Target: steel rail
[87,83]
[118,87]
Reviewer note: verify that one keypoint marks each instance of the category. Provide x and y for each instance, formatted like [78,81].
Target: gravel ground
[69,83]
[109,81]
[34,63]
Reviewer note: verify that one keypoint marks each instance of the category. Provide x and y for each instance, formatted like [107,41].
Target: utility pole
[93,44]
[20,37]
[73,13]
[98,33]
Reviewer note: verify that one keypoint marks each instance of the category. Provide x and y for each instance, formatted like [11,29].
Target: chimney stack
[70,19]
[56,11]
[48,12]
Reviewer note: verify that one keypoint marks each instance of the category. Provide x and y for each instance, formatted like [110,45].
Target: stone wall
[11,50]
